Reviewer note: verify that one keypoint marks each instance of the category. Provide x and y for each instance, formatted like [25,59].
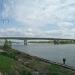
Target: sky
[37,18]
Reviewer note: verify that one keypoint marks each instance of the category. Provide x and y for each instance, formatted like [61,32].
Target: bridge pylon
[25,42]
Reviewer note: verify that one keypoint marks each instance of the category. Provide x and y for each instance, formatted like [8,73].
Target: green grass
[50,69]
[6,63]
[58,70]
[9,66]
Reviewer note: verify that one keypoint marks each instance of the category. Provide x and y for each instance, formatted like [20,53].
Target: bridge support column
[25,42]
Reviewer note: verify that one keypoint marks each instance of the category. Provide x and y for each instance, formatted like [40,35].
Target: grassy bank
[9,66]
[13,61]
[58,70]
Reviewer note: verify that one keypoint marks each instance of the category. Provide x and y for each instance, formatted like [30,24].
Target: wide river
[49,51]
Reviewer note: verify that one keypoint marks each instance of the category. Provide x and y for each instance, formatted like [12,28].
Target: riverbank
[9,66]
[39,66]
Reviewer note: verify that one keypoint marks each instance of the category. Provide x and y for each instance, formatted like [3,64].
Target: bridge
[36,38]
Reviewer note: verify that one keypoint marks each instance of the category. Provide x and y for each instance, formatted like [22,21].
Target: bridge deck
[34,38]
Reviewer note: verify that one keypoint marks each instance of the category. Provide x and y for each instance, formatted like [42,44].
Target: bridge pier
[25,42]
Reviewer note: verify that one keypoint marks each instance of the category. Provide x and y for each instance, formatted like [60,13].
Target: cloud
[39,16]
[9,31]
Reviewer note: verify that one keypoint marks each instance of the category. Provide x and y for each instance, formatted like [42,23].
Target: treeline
[64,42]
[55,41]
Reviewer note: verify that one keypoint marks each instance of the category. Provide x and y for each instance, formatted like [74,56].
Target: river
[49,51]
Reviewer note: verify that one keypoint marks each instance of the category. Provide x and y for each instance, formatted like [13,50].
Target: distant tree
[7,44]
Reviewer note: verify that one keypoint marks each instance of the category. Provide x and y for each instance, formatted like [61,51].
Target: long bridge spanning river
[36,38]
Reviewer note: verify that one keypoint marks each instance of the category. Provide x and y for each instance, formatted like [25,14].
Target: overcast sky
[37,18]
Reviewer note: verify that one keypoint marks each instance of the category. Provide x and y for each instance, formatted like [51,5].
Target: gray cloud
[36,15]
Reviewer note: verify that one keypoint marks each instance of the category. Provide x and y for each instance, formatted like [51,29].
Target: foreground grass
[5,63]
[9,66]
[58,70]
[50,69]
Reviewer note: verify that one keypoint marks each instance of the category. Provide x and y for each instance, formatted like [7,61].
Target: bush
[7,44]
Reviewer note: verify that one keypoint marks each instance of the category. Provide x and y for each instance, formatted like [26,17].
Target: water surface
[51,52]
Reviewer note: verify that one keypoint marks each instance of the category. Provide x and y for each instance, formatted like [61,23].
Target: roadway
[34,38]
